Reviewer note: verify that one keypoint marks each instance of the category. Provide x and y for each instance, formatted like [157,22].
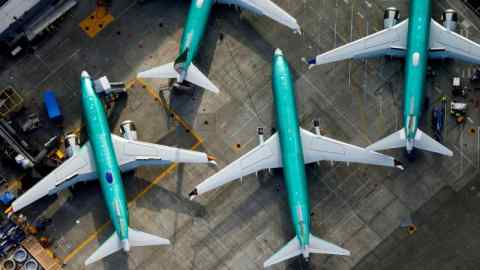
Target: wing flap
[448,44]
[132,154]
[80,167]
[264,156]
[318,148]
[388,42]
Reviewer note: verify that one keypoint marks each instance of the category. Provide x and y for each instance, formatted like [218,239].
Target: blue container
[51,104]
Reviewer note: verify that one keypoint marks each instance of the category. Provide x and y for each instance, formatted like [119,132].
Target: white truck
[22,21]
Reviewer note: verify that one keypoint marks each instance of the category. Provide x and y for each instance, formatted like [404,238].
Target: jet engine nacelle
[128,130]
[391,17]
[72,144]
[450,19]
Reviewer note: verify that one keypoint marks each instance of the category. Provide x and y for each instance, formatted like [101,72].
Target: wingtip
[192,195]
[398,164]
[212,160]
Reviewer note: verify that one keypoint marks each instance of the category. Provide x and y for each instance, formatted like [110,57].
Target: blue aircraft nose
[278,52]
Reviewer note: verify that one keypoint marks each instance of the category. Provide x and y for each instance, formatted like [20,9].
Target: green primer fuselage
[105,159]
[416,64]
[194,30]
[291,147]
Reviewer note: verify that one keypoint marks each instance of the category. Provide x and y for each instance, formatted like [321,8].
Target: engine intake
[72,144]
[128,130]
[450,19]
[391,17]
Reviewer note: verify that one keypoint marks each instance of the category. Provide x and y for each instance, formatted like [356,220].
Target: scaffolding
[10,102]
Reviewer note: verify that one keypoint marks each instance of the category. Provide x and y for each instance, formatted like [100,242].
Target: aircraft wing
[132,154]
[318,148]
[80,167]
[266,8]
[448,44]
[388,42]
[264,156]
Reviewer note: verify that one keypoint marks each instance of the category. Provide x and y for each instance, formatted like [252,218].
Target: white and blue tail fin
[135,239]
[293,249]
[168,71]
[421,141]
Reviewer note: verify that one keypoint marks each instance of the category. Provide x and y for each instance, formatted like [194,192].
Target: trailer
[22,21]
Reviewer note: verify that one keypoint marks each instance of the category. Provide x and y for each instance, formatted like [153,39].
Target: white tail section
[320,246]
[193,75]
[288,251]
[421,141]
[293,249]
[135,239]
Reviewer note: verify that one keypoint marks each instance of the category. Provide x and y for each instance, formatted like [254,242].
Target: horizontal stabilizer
[425,142]
[112,245]
[141,239]
[290,250]
[321,246]
[193,75]
[166,71]
[135,239]
[395,140]
[293,248]
[422,141]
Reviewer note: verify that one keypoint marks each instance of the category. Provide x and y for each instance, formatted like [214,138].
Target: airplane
[104,158]
[416,39]
[291,148]
[182,69]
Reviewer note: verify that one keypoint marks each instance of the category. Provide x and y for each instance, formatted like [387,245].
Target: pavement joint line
[331,103]
[154,183]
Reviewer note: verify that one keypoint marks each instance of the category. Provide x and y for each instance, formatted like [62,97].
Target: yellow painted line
[92,237]
[170,169]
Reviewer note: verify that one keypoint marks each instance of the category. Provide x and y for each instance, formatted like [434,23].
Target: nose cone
[278,52]
[84,75]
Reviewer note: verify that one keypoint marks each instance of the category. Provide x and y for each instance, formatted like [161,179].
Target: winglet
[398,164]
[212,160]
[192,195]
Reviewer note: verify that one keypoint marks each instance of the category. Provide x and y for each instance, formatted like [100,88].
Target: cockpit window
[109,177]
